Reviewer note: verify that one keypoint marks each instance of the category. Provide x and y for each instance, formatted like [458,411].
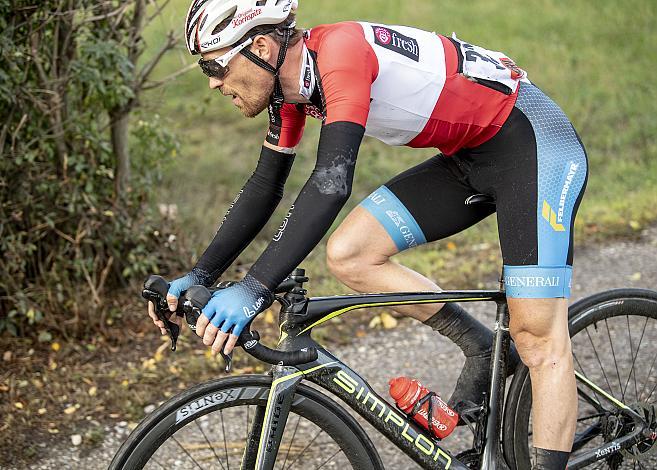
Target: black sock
[545,459]
[468,333]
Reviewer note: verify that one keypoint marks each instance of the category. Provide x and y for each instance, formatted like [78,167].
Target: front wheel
[614,342]
[208,427]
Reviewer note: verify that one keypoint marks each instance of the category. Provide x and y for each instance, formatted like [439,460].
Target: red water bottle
[408,392]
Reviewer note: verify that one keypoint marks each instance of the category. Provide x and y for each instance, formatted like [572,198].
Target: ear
[264,47]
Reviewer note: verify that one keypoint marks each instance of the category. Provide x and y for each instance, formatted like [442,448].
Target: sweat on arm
[316,207]
[246,216]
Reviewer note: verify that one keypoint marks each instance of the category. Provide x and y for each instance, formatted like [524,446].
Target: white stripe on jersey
[405,91]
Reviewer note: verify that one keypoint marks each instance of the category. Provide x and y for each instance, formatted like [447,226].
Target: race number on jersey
[490,66]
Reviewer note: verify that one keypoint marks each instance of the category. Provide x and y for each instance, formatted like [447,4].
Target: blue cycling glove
[235,306]
[196,276]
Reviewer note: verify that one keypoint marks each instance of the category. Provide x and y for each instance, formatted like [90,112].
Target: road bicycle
[276,420]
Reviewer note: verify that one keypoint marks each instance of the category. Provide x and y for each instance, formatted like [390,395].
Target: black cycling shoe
[474,380]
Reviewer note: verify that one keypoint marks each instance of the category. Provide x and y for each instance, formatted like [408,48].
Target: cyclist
[498,135]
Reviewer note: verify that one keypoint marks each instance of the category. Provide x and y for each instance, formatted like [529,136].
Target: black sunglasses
[213,69]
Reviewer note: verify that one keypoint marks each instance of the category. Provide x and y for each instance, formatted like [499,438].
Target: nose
[214,83]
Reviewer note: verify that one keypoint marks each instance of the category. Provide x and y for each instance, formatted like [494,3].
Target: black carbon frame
[298,318]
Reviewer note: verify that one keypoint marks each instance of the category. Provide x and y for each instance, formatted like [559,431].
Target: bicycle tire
[308,403]
[586,312]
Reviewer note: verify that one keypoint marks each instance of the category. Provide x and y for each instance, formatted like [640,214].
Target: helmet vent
[221,26]
[260,3]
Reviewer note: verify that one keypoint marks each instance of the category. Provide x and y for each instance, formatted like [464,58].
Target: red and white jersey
[406,86]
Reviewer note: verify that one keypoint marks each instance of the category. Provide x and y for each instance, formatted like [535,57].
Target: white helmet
[241,16]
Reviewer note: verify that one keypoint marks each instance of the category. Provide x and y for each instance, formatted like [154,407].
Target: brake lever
[155,290]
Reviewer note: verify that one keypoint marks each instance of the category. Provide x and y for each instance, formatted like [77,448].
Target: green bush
[69,235]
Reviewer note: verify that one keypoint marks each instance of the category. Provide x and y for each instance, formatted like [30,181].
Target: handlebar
[196,297]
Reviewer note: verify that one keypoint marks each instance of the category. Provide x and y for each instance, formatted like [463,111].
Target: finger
[210,334]
[230,344]
[151,313]
[219,341]
[172,300]
[201,323]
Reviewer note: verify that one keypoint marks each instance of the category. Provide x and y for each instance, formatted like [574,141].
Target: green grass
[594,58]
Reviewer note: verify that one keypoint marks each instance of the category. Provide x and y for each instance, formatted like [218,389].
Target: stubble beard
[258,99]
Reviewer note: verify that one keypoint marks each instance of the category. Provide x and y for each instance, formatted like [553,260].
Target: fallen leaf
[92,391]
[55,347]
[388,321]
[70,410]
[6,356]
[42,411]
[635,277]
[635,225]
[374,322]
[18,405]
[451,246]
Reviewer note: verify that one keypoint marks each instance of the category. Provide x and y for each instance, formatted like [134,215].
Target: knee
[540,349]
[345,258]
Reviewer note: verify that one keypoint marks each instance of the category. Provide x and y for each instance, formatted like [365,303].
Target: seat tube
[492,456]
[279,402]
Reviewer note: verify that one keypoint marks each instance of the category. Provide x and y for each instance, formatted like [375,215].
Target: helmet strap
[276,100]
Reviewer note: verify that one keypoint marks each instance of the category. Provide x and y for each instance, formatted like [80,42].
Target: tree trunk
[119,135]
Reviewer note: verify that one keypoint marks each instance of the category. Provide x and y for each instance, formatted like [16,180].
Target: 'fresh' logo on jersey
[397,42]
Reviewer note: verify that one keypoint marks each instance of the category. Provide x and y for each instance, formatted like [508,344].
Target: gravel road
[404,350]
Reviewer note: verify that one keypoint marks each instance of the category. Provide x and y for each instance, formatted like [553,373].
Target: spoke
[645,384]
[209,443]
[595,351]
[638,346]
[223,431]
[246,436]
[306,448]
[613,354]
[161,466]
[330,458]
[185,451]
[579,365]
[291,442]
[651,392]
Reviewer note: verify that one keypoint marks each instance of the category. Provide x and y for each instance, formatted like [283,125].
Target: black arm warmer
[247,214]
[316,207]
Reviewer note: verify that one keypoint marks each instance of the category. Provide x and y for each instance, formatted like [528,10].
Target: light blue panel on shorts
[395,218]
[562,170]
[561,173]
[537,282]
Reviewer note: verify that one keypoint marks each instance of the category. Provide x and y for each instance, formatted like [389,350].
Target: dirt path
[404,350]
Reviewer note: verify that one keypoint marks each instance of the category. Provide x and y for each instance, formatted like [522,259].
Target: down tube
[408,436]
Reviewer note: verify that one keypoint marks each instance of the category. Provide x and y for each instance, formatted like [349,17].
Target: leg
[539,177]
[539,328]
[364,264]
[423,204]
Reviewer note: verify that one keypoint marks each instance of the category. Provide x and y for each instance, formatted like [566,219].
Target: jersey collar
[307,77]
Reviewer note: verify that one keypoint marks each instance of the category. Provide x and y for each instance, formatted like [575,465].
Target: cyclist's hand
[176,287]
[229,311]
[159,323]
